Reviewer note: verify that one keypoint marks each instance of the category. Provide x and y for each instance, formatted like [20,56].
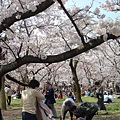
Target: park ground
[13,111]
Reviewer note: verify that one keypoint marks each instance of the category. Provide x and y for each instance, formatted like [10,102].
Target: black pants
[28,116]
[9,100]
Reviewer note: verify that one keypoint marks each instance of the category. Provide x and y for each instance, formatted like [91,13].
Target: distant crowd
[48,95]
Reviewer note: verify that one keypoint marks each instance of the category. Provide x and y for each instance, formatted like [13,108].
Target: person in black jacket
[83,111]
[100,96]
[50,98]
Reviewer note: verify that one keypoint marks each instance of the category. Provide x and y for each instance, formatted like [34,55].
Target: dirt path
[15,114]
[11,113]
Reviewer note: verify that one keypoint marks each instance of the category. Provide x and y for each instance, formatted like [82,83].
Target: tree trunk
[75,78]
[78,91]
[2,96]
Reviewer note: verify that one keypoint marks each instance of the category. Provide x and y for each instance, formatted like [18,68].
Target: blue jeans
[28,116]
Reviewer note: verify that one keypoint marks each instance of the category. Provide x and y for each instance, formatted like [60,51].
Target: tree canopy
[45,31]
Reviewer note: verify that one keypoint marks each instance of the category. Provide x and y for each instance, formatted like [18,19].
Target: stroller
[86,111]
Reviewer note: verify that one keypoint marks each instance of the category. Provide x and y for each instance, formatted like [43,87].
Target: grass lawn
[13,111]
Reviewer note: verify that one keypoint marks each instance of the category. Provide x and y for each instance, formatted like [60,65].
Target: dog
[67,104]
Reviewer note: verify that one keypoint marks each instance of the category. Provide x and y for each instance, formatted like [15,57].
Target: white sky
[81,3]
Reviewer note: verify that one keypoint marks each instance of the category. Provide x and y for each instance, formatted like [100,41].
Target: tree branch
[16,81]
[78,31]
[6,23]
[54,58]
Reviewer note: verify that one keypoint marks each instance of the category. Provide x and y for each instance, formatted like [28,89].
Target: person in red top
[43,92]
[58,96]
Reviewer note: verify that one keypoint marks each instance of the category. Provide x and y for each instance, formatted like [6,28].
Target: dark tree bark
[2,96]
[6,23]
[73,65]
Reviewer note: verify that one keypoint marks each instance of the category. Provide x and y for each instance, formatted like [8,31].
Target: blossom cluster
[111,5]
[109,26]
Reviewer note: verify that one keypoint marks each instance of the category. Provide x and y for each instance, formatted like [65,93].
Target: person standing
[8,94]
[50,98]
[100,96]
[29,100]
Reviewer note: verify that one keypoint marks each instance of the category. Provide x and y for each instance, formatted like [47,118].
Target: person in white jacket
[8,92]
[29,99]
[108,98]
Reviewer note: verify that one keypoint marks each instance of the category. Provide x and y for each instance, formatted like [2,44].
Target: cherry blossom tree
[45,31]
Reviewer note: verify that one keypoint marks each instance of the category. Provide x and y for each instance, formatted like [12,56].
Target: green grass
[13,111]
[15,103]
